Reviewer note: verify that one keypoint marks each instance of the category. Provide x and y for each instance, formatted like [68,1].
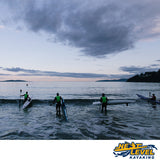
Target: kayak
[147,99]
[64,110]
[114,102]
[27,103]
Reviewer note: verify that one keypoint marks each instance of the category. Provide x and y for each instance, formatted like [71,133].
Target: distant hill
[146,77]
[14,81]
[117,80]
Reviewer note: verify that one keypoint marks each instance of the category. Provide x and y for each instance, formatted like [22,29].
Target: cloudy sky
[78,40]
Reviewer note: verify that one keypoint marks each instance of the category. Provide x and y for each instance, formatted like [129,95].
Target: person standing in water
[153,97]
[26,96]
[58,99]
[104,100]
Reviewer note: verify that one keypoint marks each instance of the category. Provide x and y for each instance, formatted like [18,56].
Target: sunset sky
[78,40]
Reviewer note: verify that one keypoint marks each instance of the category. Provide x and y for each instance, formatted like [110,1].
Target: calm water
[139,120]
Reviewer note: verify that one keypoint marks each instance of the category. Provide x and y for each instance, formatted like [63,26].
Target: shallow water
[139,120]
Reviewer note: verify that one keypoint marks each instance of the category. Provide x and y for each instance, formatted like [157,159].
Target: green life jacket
[58,98]
[26,96]
[104,99]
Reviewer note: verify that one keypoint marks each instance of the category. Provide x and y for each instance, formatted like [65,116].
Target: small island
[146,77]
[14,81]
[113,80]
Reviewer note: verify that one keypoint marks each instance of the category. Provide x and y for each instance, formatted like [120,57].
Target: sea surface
[138,120]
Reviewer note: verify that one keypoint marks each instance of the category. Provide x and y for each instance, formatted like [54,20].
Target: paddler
[153,97]
[58,99]
[104,100]
[26,96]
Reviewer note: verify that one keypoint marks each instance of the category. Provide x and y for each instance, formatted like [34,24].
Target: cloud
[18,69]
[2,74]
[30,72]
[80,75]
[97,28]
[137,69]
[155,65]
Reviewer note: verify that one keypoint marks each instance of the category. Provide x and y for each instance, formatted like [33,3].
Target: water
[139,120]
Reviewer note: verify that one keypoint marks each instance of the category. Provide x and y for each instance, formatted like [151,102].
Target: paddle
[20,97]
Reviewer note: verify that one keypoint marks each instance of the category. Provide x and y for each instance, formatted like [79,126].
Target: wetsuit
[104,102]
[153,98]
[58,105]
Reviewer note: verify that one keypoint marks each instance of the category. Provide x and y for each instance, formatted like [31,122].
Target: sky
[78,40]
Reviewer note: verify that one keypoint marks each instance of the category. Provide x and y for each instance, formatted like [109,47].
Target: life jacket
[104,99]
[58,98]
[26,96]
